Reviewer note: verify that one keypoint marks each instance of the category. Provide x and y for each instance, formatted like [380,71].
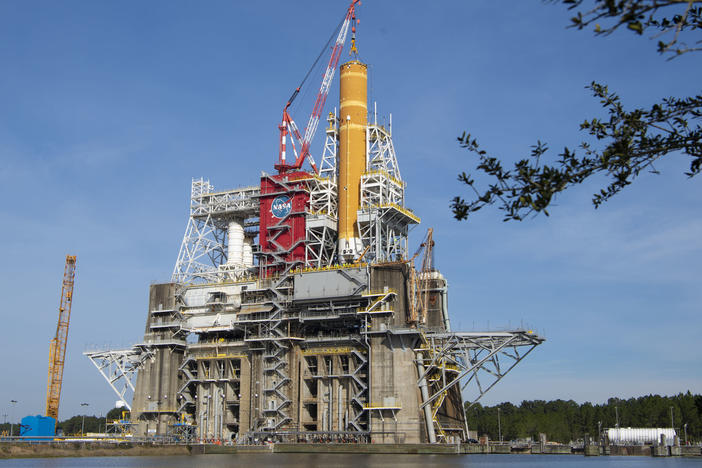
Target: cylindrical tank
[353,113]
[235,248]
[247,257]
[640,435]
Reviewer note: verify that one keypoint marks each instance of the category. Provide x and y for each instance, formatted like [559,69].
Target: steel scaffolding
[119,368]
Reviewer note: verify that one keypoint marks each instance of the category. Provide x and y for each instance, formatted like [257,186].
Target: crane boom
[57,349]
[419,281]
[288,124]
[424,276]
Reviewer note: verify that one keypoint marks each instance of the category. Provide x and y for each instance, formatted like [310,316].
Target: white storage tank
[640,435]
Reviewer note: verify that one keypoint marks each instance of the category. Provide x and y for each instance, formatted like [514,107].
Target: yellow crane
[57,350]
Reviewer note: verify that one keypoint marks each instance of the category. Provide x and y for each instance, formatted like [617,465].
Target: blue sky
[109,109]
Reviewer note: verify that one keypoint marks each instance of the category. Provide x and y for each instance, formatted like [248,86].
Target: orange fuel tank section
[352,153]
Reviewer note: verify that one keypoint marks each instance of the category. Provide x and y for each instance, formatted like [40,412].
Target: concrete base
[551,449]
[87,449]
[690,451]
[500,448]
[368,448]
[629,450]
[660,451]
[592,451]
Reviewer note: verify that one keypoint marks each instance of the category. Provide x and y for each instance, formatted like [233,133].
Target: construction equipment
[57,350]
[425,276]
[288,124]
[419,281]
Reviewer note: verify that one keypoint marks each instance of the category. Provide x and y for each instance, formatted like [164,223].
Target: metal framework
[57,349]
[321,222]
[275,338]
[203,254]
[381,151]
[327,167]
[383,219]
[119,368]
[472,362]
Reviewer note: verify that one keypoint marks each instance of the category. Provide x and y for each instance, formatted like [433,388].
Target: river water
[311,460]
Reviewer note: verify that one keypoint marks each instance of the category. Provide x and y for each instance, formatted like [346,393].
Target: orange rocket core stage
[352,153]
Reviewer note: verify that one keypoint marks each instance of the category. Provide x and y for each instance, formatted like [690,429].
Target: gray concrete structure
[325,354]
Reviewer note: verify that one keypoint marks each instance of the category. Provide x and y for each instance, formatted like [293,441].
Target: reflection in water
[312,460]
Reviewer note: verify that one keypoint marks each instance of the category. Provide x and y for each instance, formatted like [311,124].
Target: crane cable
[321,54]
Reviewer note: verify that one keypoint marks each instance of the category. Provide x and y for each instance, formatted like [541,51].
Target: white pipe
[425,397]
[444,306]
[338,405]
[235,249]
[331,405]
[247,257]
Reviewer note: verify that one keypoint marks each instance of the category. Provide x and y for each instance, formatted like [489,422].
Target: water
[311,460]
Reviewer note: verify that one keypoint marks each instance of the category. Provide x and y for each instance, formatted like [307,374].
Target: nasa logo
[281,206]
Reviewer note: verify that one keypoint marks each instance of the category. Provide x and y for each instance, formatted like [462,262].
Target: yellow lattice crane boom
[57,350]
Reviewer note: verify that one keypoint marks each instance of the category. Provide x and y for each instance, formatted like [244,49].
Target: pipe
[425,396]
[235,246]
[247,255]
[331,405]
[444,306]
[338,405]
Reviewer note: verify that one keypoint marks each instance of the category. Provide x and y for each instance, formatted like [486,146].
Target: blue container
[38,427]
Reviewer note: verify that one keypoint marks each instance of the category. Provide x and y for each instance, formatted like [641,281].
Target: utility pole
[12,416]
[616,411]
[672,424]
[499,425]
[82,424]
[599,432]
[685,428]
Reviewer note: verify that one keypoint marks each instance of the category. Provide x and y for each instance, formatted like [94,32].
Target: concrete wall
[225,403]
[394,276]
[155,402]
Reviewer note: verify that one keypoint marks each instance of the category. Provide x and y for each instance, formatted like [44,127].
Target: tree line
[564,421]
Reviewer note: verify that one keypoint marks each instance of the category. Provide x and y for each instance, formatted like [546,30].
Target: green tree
[566,421]
[624,143]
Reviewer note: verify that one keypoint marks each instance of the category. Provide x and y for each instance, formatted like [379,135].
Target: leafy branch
[633,142]
[670,18]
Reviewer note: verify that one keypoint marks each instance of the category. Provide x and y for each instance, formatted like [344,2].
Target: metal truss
[381,151]
[383,219]
[323,197]
[384,229]
[471,361]
[321,223]
[327,168]
[120,367]
[321,244]
[321,220]
[276,381]
[203,249]
[360,417]
[187,393]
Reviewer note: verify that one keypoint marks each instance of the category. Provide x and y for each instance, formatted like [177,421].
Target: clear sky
[108,109]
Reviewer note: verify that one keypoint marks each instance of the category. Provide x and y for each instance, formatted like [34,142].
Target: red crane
[288,124]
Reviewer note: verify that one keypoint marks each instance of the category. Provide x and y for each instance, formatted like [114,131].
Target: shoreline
[117,449]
